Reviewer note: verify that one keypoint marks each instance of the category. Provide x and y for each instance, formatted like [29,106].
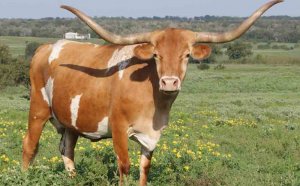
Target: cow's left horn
[108,36]
[208,37]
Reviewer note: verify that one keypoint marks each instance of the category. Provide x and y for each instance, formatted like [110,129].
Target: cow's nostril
[163,82]
[175,83]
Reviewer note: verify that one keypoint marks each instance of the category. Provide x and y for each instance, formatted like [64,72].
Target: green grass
[17,44]
[237,126]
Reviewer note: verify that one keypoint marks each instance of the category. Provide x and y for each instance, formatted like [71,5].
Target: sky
[139,8]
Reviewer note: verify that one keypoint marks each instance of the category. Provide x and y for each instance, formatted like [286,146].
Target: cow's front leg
[145,164]
[120,142]
[66,147]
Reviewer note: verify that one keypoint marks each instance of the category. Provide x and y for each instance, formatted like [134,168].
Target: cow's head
[172,47]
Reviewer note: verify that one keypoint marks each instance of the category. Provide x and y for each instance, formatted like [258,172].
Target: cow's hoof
[72,173]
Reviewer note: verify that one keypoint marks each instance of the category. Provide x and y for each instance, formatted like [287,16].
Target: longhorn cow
[119,91]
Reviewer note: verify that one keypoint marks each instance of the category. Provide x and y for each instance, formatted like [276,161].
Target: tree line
[273,28]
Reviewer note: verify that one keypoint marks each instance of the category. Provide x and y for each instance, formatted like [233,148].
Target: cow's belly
[91,120]
[103,129]
[82,109]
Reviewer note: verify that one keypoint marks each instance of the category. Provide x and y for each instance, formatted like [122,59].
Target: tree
[21,72]
[13,71]
[238,50]
[30,49]
[5,56]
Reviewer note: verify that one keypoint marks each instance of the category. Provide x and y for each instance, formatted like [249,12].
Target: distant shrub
[203,66]
[30,49]
[282,47]
[219,67]
[5,56]
[238,50]
[263,47]
[21,72]
[258,58]
[13,71]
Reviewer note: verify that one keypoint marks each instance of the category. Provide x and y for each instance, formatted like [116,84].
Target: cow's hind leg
[66,147]
[38,115]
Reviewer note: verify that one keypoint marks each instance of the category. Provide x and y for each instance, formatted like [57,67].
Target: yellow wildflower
[54,159]
[178,155]
[4,158]
[204,126]
[186,168]
[81,148]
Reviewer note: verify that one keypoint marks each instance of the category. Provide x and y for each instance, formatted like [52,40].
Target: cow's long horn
[208,37]
[108,36]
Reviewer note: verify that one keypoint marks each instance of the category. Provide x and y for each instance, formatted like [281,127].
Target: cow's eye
[155,55]
[187,56]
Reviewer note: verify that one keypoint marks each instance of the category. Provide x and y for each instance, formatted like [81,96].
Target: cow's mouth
[168,92]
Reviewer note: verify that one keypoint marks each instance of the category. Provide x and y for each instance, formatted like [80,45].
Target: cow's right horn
[208,37]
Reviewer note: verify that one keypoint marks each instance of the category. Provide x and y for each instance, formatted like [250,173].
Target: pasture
[17,44]
[237,126]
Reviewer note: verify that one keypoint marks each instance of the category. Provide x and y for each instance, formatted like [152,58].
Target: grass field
[17,44]
[237,126]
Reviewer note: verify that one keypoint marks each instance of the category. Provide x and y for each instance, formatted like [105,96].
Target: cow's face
[171,50]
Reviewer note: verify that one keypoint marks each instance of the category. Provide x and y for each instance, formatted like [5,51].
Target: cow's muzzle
[169,84]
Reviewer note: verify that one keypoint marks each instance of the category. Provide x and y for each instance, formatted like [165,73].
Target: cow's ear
[201,51]
[144,51]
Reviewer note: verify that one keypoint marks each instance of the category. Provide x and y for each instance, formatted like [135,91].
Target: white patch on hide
[74,107]
[47,91]
[56,49]
[102,130]
[121,58]
[44,94]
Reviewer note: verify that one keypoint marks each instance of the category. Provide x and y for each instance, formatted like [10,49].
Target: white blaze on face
[74,107]
[56,49]
[102,130]
[121,58]
[47,91]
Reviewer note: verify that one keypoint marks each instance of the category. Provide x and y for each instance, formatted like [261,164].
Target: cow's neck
[162,110]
